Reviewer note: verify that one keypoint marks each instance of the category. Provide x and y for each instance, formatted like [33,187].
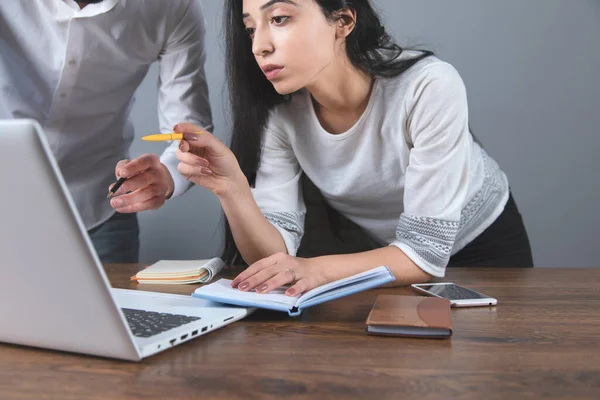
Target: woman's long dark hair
[368,47]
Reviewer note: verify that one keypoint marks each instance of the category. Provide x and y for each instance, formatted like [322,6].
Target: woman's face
[292,41]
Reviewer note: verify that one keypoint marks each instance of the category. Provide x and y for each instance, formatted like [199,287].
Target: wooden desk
[542,340]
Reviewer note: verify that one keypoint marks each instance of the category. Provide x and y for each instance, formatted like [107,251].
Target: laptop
[54,293]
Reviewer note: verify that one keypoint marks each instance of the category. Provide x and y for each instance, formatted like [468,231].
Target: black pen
[115,187]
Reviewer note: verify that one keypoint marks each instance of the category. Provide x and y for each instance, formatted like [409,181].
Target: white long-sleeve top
[76,70]
[409,171]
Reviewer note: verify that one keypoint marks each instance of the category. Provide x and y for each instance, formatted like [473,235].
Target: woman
[318,87]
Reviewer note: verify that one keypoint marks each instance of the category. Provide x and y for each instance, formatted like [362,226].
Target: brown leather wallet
[410,316]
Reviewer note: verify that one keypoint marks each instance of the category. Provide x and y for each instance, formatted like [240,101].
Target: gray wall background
[532,73]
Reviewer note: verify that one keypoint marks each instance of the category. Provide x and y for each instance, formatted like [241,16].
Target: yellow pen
[162,137]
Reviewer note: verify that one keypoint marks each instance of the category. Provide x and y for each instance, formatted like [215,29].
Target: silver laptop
[53,290]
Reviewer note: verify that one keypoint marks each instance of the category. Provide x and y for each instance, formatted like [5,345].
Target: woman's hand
[281,269]
[206,161]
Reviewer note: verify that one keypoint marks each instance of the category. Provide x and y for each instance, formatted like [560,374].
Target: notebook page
[222,288]
[343,283]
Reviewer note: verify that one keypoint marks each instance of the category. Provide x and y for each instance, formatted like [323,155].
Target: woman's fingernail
[290,292]
[262,288]
[206,171]
[202,162]
[175,127]
[116,203]
[244,286]
[192,137]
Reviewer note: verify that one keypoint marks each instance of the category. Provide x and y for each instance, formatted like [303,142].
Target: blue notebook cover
[222,292]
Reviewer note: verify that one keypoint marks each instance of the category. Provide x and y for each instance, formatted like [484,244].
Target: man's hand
[148,186]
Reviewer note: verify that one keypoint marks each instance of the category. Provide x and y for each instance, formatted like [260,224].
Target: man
[74,67]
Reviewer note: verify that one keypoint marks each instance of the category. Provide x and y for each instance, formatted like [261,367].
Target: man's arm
[182,96]
[183,90]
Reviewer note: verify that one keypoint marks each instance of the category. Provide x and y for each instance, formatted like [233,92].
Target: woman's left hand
[278,270]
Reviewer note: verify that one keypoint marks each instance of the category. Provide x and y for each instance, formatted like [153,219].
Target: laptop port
[204,329]
[184,337]
[194,333]
[172,341]
[227,319]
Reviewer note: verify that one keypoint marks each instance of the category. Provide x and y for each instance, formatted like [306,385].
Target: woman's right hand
[207,162]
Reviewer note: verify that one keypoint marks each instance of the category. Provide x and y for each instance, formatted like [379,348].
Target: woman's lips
[271,71]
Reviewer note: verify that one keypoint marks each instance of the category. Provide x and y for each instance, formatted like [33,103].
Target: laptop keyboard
[149,323]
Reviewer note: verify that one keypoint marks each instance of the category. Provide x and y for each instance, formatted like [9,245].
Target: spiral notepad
[180,271]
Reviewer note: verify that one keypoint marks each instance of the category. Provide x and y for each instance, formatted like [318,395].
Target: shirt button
[72,63]
[63,95]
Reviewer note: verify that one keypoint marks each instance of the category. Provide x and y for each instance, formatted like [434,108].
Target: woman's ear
[345,22]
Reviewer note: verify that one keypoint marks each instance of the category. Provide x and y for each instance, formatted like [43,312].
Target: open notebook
[222,292]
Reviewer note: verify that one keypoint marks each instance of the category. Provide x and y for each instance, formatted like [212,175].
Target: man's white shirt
[76,70]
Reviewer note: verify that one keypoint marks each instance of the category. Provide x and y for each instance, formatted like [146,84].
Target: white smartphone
[459,296]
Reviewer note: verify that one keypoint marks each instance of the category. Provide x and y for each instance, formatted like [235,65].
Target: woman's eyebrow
[271,3]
